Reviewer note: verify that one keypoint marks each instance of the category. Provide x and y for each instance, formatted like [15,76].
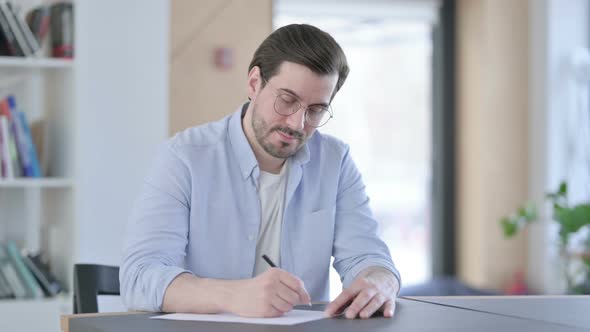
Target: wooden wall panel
[199,91]
[493,94]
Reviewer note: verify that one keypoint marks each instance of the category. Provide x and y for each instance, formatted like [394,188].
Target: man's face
[282,136]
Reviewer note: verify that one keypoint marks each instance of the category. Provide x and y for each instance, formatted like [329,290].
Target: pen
[269,261]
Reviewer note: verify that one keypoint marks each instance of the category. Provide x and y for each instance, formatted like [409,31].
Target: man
[259,182]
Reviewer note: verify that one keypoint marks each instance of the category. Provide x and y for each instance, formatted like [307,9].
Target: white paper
[290,318]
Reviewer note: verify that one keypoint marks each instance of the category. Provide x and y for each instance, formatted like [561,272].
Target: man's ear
[254,82]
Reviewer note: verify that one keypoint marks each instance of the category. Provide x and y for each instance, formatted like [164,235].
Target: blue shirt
[199,212]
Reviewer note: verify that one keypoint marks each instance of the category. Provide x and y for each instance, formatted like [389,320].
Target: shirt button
[251,237]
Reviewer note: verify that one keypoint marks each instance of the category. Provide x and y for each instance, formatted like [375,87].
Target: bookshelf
[100,116]
[37,213]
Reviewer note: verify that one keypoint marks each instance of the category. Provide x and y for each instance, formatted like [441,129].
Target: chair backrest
[91,280]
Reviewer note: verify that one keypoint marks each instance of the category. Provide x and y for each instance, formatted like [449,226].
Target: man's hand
[375,288]
[270,294]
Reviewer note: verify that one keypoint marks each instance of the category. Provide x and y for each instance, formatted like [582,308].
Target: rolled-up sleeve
[356,243]
[157,233]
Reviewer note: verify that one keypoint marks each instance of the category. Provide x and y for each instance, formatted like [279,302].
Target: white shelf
[34,315]
[36,183]
[33,63]
[62,299]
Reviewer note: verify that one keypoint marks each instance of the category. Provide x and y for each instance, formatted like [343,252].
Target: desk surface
[411,315]
[567,310]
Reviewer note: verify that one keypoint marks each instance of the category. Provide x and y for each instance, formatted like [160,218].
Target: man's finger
[389,308]
[372,306]
[280,304]
[271,312]
[360,301]
[288,295]
[296,285]
[341,302]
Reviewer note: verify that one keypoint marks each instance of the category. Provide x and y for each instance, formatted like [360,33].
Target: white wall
[557,28]
[122,80]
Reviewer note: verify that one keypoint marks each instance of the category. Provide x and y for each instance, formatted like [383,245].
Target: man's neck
[266,162]
[271,166]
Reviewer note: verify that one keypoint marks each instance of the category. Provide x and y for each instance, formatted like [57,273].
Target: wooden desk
[412,314]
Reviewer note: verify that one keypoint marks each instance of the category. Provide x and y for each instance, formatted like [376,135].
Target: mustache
[290,132]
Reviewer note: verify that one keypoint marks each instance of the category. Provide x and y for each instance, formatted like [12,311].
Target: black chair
[91,280]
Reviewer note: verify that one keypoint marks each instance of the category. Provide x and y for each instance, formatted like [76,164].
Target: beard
[282,150]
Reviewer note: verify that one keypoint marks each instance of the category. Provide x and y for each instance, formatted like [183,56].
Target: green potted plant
[570,220]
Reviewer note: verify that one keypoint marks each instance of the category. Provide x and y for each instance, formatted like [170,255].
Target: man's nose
[296,121]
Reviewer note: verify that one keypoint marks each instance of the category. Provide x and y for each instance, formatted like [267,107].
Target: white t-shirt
[271,191]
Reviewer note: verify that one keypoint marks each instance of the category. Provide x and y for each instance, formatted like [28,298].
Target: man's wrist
[226,291]
[379,270]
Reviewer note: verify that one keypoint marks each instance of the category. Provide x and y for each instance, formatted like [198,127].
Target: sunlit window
[384,113]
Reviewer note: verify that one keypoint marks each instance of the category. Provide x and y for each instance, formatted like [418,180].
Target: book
[3,165]
[13,151]
[32,287]
[5,290]
[4,51]
[7,165]
[62,30]
[32,148]
[9,39]
[23,28]
[38,21]
[51,286]
[22,151]
[18,35]
[20,138]
[9,272]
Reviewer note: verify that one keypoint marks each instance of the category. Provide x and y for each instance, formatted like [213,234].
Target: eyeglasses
[315,115]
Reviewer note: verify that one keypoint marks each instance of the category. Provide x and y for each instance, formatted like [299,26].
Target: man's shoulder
[205,136]
[328,144]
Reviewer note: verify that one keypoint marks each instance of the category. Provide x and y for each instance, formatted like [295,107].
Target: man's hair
[301,44]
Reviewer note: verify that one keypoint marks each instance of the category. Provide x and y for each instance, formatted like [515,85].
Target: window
[384,113]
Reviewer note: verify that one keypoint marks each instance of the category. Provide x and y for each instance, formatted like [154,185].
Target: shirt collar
[243,151]
[239,143]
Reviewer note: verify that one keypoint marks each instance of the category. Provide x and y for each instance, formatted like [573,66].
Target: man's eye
[317,110]
[288,99]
